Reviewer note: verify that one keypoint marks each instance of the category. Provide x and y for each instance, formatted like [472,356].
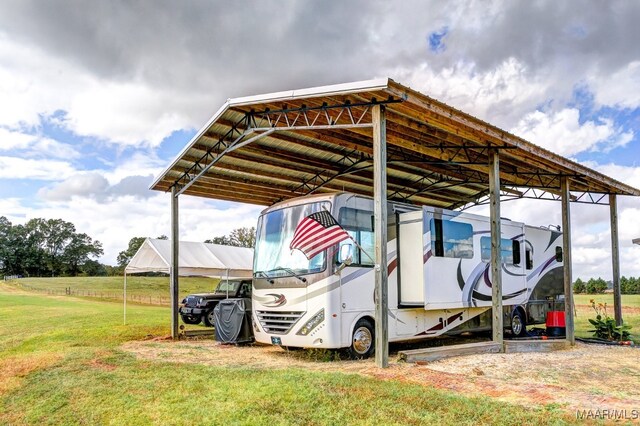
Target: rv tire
[362,340]
[518,324]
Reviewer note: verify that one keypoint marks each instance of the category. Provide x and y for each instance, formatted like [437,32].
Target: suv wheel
[207,318]
[191,319]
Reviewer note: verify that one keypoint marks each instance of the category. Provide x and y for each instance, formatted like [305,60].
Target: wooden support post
[496,249]
[566,250]
[174,271]
[615,258]
[380,214]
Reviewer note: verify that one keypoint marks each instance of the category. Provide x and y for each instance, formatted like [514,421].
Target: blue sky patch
[436,40]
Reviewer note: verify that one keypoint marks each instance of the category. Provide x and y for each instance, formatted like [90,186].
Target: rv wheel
[518,324]
[362,340]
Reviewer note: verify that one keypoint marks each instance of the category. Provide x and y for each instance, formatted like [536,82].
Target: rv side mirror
[346,254]
[558,254]
[345,257]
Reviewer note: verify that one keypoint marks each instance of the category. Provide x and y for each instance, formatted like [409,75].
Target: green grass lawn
[61,363]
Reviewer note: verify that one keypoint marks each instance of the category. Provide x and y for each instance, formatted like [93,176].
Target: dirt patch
[586,377]
[101,361]
[14,369]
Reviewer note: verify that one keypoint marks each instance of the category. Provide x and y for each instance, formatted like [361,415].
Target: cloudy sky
[96,98]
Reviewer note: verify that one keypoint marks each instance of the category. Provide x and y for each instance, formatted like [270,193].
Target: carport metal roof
[268,148]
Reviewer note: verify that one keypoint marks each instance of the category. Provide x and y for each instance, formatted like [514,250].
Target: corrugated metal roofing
[268,148]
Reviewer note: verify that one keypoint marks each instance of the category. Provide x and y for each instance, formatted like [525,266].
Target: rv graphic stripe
[316,233]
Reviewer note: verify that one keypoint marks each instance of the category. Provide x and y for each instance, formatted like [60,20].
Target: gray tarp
[232,321]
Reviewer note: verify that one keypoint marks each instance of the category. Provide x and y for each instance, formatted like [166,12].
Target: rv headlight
[312,323]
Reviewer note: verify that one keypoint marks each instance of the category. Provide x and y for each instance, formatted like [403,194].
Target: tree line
[629,285]
[47,247]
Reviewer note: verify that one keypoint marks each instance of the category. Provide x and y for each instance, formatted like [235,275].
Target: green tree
[124,257]
[624,285]
[78,252]
[239,237]
[44,247]
[93,268]
[223,240]
[633,286]
[579,286]
[601,285]
[5,247]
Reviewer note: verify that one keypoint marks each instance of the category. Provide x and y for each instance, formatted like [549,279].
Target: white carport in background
[195,259]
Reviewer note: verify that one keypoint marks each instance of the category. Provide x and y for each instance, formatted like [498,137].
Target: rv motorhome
[439,275]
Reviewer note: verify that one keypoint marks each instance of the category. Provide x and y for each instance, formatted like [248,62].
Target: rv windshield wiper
[289,271]
[263,275]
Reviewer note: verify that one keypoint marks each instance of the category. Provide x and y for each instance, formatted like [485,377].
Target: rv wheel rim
[361,340]
[516,324]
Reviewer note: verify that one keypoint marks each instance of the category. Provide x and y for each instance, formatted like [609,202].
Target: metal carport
[384,139]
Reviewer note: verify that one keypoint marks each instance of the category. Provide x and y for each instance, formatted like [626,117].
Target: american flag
[316,233]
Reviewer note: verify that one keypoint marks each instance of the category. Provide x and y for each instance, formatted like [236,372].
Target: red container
[556,323]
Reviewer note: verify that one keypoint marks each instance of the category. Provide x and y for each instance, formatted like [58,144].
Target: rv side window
[558,254]
[451,239]
[510,250]
[359,224]
[516,252]
[528,252]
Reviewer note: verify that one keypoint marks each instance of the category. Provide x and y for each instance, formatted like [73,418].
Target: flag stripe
[323,238]
[331,242]
[316,233]
[306,227]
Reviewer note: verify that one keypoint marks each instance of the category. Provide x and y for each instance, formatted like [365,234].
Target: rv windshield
[272,257]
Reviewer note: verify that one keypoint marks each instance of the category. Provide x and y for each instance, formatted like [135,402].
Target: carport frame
[456,147]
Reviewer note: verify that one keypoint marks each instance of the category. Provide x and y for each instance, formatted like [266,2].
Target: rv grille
[278,322]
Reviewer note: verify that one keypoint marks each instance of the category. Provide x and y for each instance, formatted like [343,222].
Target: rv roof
[270,148]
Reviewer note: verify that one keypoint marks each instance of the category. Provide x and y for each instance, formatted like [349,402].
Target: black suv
[199,307]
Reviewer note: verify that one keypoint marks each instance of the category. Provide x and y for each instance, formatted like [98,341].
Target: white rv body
[439,275]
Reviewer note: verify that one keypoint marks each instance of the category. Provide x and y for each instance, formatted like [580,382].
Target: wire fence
[12,277]
[70,291]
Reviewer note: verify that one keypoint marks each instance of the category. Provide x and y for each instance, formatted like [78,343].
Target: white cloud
[45,147]
[625,174]
[21,168]
[621,89]
[14,140]
[125,113]
[35,83]
[499,95]
[561,132]
[78,185]
[140,163]
[96,185]
[35,145]
[12,209]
